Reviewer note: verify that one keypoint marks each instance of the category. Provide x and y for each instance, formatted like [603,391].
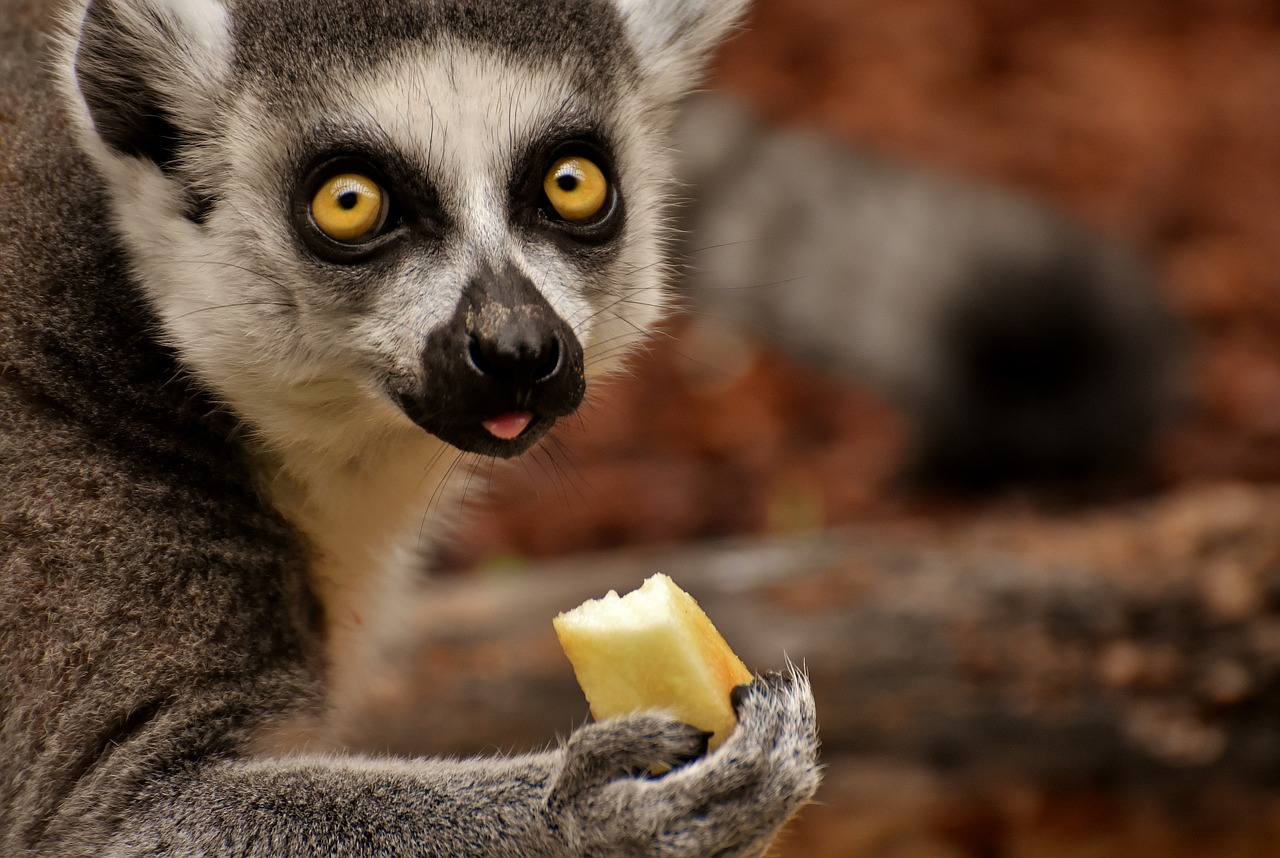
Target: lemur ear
[148,70]
[674,37]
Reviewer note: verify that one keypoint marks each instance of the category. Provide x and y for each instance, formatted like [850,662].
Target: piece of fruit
[653,648]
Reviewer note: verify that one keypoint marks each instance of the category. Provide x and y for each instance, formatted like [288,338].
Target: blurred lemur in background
[267,269]
[1022,346]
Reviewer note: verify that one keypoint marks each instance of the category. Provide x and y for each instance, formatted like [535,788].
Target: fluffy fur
[210,438]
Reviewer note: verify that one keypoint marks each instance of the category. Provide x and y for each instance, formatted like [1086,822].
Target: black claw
[738,696]
[703,741]
[774,680]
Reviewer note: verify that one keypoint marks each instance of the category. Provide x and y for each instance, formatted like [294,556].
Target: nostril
[550,360]
[477,355]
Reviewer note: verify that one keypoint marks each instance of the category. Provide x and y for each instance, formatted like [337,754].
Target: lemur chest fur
[365,517]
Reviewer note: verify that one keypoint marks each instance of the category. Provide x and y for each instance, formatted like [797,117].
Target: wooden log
[1138,647]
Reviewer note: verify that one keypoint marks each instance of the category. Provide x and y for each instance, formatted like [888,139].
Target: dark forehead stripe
[298,42]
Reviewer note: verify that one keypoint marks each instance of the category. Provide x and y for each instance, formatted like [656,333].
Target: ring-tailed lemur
[265,266]
[1021,345]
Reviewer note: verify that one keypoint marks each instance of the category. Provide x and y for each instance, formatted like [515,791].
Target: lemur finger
[604,751]
[729,803]
[765,771]
[776,704]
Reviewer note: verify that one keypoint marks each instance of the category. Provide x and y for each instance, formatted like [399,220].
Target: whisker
[742,287]
[547,474]
[572,474]
[437,496]
[466,486]
[237,267]
[232,306]
[706,247]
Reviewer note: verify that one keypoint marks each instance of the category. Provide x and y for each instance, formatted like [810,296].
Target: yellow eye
[349,207]
[576,188]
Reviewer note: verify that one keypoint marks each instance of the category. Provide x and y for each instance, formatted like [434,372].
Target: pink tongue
[508,426]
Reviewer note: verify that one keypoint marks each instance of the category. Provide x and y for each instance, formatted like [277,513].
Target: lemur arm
[581,799]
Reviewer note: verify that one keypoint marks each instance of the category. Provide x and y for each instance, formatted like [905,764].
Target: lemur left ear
[674,37]
[148,71]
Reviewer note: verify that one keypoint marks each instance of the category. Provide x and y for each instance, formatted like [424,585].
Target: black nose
[501,371]
[515,346]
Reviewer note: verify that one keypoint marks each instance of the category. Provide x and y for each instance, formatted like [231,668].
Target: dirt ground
[1156,121]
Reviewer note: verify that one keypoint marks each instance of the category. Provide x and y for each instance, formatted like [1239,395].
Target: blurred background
[1153,123]
[974,409]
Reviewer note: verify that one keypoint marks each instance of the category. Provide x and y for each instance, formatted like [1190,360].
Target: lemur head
[350,214]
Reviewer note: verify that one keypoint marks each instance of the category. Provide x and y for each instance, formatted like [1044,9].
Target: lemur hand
[728,804]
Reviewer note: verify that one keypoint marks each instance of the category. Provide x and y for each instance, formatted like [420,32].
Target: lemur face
[432,220]
[453,231]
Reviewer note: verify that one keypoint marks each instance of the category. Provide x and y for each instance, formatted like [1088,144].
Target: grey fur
[159,619]
[582,35]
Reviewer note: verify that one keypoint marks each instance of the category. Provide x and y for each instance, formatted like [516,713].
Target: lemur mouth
[507,434]
[508,426]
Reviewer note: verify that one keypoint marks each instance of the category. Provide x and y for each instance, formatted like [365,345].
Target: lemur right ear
[673,38]
[147,70]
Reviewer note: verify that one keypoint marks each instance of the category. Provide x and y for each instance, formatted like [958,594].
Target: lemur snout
[501,371]
[517,347]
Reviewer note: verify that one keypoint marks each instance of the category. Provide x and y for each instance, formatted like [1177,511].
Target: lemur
[1021,345]
[267,268]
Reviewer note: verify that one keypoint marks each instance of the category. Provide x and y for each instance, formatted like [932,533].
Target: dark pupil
[348,200]
[567,181]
